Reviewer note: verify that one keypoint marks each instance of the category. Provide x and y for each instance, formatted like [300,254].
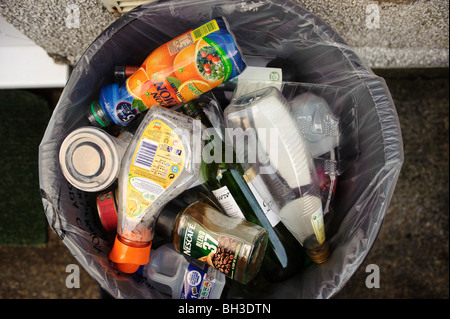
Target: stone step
[384,33]
[390,33]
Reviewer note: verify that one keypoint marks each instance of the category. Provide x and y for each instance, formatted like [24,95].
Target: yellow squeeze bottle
[162,160]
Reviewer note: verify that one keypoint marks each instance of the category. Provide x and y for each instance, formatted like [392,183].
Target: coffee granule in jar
[226,252]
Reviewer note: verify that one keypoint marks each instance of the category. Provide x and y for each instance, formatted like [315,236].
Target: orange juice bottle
[176,72]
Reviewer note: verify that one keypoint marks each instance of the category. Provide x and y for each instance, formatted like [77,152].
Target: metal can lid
[89,159]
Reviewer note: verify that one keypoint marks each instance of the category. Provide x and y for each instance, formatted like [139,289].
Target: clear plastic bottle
[182,277]
[317,122]
[159,164]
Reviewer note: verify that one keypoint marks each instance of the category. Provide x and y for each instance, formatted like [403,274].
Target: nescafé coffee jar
[233,246]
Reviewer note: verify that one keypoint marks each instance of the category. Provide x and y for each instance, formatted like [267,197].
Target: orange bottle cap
[129,257]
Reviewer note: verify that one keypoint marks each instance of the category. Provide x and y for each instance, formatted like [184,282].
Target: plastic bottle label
[187,66]
[190,38]
[257,78]
[218,251]
[119,105]
[228,202]
[157,162]
[198,282]
[176,72]
[318,225]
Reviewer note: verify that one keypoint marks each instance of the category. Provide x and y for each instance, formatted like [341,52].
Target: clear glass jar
[233,246]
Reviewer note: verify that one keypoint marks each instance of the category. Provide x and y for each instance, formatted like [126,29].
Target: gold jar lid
[320,254]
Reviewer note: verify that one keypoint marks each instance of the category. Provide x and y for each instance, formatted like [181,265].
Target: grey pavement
[385,34]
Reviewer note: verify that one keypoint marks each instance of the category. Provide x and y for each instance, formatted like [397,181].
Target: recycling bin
[272,28]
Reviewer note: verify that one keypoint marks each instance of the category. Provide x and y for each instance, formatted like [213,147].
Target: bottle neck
[97,115]
[131,243]
[122,72]
[194,109]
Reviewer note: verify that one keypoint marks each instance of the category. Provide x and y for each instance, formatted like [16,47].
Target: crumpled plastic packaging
[277,28]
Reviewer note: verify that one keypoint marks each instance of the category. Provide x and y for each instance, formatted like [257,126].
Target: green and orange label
[188,66]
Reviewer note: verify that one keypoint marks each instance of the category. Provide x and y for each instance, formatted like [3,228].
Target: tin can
[90,158]
[107,209]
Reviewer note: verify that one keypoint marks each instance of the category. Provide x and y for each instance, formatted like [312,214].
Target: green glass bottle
[225,179]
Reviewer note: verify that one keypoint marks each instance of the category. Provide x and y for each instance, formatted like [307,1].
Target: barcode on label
[145,154]
[205,29]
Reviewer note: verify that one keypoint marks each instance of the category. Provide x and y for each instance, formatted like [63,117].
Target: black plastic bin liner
[270,28]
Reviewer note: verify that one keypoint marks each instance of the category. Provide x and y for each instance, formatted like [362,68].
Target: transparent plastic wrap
[327,115]
[277,160]
[271,28]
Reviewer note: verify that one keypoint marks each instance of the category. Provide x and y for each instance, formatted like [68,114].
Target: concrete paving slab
[386,34]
